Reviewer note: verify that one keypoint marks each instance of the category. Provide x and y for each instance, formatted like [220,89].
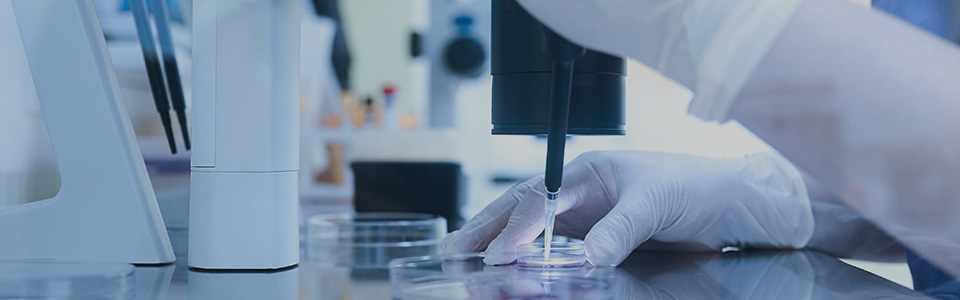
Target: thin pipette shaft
[556,142]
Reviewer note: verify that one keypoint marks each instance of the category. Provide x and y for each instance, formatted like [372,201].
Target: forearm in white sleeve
[869,106]
[708,46]
[841,231]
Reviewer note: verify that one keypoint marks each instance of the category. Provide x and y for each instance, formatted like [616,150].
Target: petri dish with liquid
[465,276]
[561,255]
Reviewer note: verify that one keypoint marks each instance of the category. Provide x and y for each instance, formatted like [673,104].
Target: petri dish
[563,254]
[371,240]
[20,279]
[433,277]
[465,276]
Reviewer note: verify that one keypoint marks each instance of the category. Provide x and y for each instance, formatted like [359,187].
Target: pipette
[564,54]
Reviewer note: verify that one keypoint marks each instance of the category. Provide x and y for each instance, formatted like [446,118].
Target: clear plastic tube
[550,213]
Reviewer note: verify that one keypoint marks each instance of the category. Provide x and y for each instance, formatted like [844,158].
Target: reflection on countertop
[644,275]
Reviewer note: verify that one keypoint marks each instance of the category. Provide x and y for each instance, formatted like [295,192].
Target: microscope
[546,85]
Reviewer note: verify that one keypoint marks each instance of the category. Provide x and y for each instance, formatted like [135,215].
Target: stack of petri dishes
[371,240]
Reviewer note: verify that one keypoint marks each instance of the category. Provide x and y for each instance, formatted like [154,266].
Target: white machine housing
[445,84]
[245,116]
[106,209]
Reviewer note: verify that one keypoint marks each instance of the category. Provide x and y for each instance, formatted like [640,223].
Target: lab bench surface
[644,275]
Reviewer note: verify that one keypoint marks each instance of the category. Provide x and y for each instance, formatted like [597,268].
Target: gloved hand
[616,201]
[709,46]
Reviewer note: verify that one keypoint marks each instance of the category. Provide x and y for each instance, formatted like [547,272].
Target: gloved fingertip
[495,258]
[448,242]
[601,253]
[457,243]
[501,251]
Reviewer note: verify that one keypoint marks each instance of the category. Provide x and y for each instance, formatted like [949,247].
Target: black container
[521,72]
[416,187]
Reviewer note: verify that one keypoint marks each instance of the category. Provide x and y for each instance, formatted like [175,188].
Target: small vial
[562,255]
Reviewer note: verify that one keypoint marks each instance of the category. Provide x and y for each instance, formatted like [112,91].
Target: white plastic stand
[106,209]
[245,159]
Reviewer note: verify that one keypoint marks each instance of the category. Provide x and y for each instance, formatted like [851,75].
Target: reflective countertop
[644,275]
[649,275]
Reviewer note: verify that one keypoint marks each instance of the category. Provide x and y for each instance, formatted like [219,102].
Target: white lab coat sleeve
[708,46]
[870,107]
[733,52]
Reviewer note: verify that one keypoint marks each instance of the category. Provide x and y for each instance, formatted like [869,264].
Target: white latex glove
[709,46]
[619,200]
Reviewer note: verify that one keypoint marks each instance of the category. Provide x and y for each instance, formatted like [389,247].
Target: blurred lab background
[395,113]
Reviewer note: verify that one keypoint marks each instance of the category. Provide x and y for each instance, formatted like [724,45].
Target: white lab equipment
[243,188]
[457,45]
[28,168]
[106,209]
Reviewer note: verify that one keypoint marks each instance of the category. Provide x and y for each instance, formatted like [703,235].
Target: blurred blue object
[940,17]
[931,281]
[174,9]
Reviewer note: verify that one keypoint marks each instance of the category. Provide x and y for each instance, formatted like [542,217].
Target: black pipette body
[563,53]
[557,131]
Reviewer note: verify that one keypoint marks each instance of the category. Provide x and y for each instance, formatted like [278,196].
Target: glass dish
[566,254]
[371,240]
[465,276]
[433,277]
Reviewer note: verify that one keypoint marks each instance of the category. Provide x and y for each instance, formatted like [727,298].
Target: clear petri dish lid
[433,277]
[561,254]
[377,229]
[371,240]
[21,279]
